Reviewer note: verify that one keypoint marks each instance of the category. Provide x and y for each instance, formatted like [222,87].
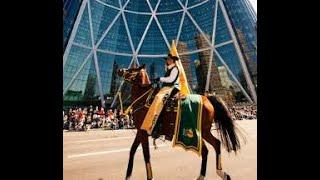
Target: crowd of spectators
[82,119]
[244,111]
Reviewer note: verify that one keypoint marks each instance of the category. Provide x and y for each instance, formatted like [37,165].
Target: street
[103,155]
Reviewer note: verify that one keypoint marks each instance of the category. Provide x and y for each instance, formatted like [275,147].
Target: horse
[213,111]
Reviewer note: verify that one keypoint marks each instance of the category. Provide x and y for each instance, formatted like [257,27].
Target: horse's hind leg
[146,154]
[204,156]
[133,149]
[217,147]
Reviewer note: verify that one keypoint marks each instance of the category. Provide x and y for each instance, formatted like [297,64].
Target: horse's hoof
[223,175]
[226,177]
[128,177]
[220,174]
[201,177]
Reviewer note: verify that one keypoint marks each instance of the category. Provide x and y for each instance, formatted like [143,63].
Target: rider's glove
[156,80]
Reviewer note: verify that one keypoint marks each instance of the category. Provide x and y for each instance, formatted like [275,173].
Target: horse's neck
[137,91]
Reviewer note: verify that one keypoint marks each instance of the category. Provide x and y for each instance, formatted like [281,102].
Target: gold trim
[199,124]
[149,97]
[155,109]
[188,148]
[177,124]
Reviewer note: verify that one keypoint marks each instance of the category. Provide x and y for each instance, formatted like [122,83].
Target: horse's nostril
[120,72]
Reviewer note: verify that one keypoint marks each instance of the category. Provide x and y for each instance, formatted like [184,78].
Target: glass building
[103,35]
[244,22]
[70,11]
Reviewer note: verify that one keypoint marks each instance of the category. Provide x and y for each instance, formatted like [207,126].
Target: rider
[170,87]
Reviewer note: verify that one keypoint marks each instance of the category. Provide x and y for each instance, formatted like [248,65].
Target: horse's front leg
[146,154]
[133,149]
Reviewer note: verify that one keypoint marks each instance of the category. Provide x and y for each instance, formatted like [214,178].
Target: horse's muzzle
[121,72]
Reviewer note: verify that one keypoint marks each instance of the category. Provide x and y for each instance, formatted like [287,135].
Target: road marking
[109,152]
[102,139]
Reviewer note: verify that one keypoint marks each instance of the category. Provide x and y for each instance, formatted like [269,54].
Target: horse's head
[135,75]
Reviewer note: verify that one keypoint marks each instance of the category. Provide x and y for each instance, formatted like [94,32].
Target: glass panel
[170,25]
[204,16]
[117,39]
[111,2]
[229,55]
[137,25]
[106,62]
[182,1]
[74,60]
[194,2]
[154,42]
[83,87]
[231,92]
[166,6]
[153,3]
[187,61]
[222,32]
[83,35]
[200,64]
[102,16]
[70,12]
[138,6]
[192,37]
[123,2]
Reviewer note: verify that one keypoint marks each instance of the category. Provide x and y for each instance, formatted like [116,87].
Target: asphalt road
[103,155]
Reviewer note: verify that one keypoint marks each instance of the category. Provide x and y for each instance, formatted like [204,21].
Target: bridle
[132,76]
[150,91]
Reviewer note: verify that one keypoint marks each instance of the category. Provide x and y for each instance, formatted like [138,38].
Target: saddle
[167,118]
[171,104]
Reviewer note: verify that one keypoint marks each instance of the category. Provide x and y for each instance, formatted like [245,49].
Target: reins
[130,107]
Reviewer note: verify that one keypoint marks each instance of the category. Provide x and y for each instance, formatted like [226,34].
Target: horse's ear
[144,76]
[143,66]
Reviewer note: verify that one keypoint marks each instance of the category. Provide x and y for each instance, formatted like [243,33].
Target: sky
[254,4]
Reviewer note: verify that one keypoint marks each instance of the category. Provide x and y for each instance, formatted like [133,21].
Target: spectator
[88,122]
[65,122]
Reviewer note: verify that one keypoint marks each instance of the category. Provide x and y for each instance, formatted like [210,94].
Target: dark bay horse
[213,111]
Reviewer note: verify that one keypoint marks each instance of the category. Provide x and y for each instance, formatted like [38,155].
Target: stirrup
[154,144]
[180,96]
[155,135]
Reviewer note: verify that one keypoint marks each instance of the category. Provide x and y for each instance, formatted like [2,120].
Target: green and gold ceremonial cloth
[188,124]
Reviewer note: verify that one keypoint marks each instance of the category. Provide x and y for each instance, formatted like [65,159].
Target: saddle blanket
[188,124]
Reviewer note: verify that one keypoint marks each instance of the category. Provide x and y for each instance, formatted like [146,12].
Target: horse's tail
[225,125]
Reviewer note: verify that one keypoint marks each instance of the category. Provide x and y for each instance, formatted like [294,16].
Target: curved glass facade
[110,34]
[244,22]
